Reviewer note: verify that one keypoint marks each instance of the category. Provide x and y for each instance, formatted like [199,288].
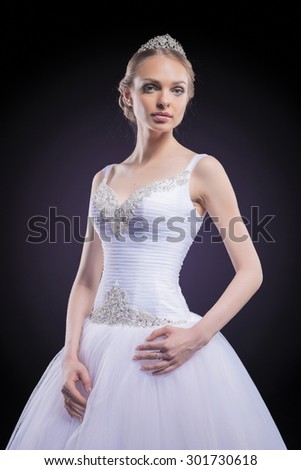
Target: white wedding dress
[210,402]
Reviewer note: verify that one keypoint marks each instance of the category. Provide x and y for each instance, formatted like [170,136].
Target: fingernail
[135,358]
[89,389]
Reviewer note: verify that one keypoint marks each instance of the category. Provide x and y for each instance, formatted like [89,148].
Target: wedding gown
[210,402]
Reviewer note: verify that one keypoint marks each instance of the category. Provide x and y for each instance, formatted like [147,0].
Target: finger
[153,356]
[70,390]
[157,333]
[156,366]
[73,413]
[156,345]
[76,406]
[85,378]
[166,370]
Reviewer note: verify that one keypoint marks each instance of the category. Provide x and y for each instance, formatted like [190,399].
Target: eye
[149,88]
[178,90]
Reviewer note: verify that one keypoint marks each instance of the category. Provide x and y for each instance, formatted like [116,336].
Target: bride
[139,370]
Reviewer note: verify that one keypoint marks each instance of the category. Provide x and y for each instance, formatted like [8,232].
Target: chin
[162,126]
[161,129]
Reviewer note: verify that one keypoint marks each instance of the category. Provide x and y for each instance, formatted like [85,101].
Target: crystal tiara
[163,42]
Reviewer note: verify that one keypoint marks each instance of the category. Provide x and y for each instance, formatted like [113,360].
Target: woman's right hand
[73,372]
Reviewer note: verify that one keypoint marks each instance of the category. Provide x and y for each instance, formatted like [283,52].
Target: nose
[163,101]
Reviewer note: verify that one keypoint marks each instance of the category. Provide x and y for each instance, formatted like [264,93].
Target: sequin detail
[119,214]
[116,311]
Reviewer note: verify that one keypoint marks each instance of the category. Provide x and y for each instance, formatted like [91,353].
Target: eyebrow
[157,81]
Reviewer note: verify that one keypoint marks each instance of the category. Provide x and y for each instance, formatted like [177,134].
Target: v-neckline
[140,188]
[143,187]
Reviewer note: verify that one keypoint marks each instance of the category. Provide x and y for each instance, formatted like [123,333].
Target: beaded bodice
[145,240]
[107,202]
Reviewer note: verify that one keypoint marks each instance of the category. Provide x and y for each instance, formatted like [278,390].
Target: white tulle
[210,402]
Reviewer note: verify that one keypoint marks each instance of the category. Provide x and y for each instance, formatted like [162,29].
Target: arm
[80,305]
[218,199]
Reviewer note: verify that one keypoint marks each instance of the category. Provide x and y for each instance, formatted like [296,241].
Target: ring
[68,399]
[157,356]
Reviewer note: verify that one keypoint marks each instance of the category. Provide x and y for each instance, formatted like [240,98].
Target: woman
[140,370]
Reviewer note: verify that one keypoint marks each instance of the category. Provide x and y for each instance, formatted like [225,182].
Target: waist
[131,317]
[115,310]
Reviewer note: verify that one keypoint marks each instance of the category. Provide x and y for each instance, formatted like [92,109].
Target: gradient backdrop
[62,124]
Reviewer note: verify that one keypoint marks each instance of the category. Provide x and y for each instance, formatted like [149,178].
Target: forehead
[161,68]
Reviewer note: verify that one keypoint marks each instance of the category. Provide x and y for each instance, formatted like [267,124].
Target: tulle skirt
[210,402]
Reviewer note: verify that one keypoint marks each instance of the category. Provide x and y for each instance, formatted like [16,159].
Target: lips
[161,117]
[162,114]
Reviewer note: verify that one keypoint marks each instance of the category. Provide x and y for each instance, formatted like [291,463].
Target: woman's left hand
[174,348]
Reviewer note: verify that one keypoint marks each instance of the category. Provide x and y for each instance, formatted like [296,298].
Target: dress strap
[189,167]
[195,160]
[106,171]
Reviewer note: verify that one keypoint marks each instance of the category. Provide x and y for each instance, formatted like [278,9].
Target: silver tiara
[163,42]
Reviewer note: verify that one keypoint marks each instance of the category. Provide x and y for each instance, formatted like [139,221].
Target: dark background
[61,124]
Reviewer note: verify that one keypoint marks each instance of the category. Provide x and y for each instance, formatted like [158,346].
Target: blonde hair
[131,71]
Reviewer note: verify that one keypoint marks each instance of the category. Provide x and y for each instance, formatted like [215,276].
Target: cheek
[143,103]
[182,104]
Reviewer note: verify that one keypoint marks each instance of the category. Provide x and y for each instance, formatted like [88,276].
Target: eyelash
[146,89]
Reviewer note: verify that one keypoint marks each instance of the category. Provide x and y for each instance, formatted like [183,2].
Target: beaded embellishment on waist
[116,311]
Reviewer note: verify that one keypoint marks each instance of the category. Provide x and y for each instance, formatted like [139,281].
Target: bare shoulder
[97,179]
[209,166]
[209,172]
[210,181]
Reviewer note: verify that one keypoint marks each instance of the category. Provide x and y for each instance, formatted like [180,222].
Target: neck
[152,145]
